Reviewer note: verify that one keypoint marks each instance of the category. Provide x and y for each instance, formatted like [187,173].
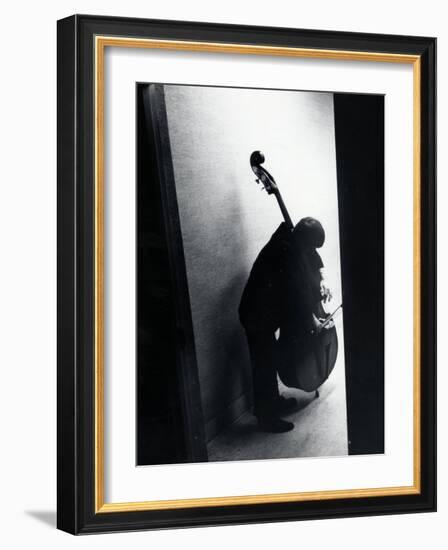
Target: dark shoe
[286,405]
[275,425]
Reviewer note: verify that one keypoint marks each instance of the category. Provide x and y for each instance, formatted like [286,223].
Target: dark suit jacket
[283,286]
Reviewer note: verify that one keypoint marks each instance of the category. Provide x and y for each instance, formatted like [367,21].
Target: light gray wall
[226,219]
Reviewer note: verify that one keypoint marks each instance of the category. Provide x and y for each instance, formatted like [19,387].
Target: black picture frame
[79,495]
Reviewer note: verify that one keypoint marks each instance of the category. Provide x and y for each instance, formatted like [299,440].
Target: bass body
[307,360]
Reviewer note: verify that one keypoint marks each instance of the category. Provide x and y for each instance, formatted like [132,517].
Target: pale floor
[320,427]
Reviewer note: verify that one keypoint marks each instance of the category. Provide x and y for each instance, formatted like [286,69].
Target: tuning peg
[257,181]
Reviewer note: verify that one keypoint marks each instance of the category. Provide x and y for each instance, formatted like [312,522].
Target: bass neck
[284,210]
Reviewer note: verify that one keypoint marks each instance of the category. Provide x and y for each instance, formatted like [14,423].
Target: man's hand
[318,324]
[325,292]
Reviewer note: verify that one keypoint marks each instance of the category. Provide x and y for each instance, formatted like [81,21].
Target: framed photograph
[246,274]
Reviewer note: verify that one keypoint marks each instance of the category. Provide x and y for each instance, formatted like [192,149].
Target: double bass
[307,359]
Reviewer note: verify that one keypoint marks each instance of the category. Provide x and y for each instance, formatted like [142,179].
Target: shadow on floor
[320,428]
[48,517]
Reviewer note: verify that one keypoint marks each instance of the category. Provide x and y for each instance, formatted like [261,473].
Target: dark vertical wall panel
[168,430]
[359,124]
[158,440]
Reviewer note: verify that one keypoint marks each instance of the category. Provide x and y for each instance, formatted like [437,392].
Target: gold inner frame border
[100,43]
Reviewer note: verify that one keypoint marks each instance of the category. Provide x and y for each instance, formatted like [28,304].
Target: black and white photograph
[260,274]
